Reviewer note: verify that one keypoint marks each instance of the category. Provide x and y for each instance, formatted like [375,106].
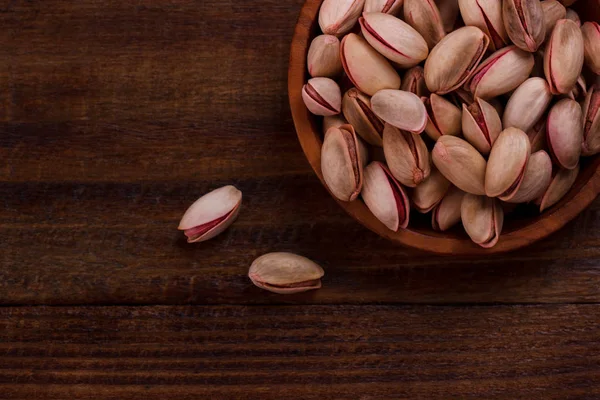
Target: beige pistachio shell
[538,175]
[211,214]
[449,11]
[501,72]
[407,156]
[481,125]
[384,196]
[562,182]
[591,44]
[414,81]
[404,110]
[591,123]
[322,96]
[447,213]
[564,131]
[527,104]
[394,39]
[453,60]
[537,135]
[460,163]
[334,121]
[392,7]
[483,219]
[563,57]
[443,117]
[573,16]
[487,16]
[368,70]
[285,273]
[356,107]
[507,163]
[342,163]
[553,11]
[424,16]
[338,17]
[324,57]
[430,192]
[524,23]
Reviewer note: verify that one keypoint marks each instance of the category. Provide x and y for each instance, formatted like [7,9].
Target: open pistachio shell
[563,57]
[527,104]
[573,16]
[591,44]
[447,213]
[564,131]
[591,122]
[553,11]
[487,16]
[562,182]
[404,110]
[449,11]
[334,121]
[537,135]
[443,117]
[524,23]
[481,125]
[538,175]
[324,57]
[285,273]
[338,17]
[392,7]
[342,163]
[483,219]
[322,96]
[414,81]
[407,156]
[460,163]
[356,107]
[430,192]
[424,16]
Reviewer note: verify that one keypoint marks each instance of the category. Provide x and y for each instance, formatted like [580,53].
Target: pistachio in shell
[443,117]
[564,56]
[324,57]
[562,182]
[285,273]
[537,135]
[322,96]
[527,104]
[524,23]
[564,133]
[481,125]
[392,7]
[487,16]
[430,192]
[536,180]
[404,110]
[460,163]
[591,44]
[447,213]
[338,17]
[424,16]
[573,16]
[483,219]
[591,122]
[553,11]
[407,156]
[356,107]
[414,81]
[449,10]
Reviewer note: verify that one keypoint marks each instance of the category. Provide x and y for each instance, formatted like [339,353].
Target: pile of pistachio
[492,107]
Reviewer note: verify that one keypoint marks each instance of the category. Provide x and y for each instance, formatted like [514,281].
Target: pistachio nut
[384,196]
[538,175]
[501,72]
[553,11]
[211,214]
[483,219]
[322,96]
[573,16]
[527,104]
[334,121]
[524,23]
[454,59]
[324,57]
[391,7]
[481,125]
[404,110]
[407,156]
[591,122]
[342,163]
[563,57]
[366,68]
[591,42]
[449,10]
[537,135]
[487,16]
[460,163]
[338,17]
[562,182]
[430,192]
[285,273]
[443,117]
[507,163]
[424,16]
[357,109]
[414,81]
[394,39]
[564,133]
[447,213]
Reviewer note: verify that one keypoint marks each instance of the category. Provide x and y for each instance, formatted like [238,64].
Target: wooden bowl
[521,229]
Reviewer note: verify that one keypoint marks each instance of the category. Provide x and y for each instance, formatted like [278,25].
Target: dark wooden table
[116,115]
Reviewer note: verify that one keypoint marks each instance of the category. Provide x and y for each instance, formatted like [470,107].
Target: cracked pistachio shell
[481,125]
[368,70]
[524,23]
[338,17]
[394,39]
[564,133]
[356,107]
[591,44]
[563,57]
[573,16]
[443,117]
[322,96]
[591,123]
[507,163]
[285,273]
[483,219]
[391,7]
[334,121]
[414,81]
[407,156]
[501,72]
[384,196]
[487,16]
[449,10]
[342,163]
[537,135]
[527,104]
[447,213]
[404,110]
[562,182]
[324,57]
[424,16]
[460,163]
[211,214]
[538,175]
[430,192]
[553,11]
[454,59]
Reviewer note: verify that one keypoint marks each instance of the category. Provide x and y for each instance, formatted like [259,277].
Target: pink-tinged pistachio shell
[538,175]
[414,81]
[562,182]
[563,57]
[384,196]
[285,273]
[527,104]
[430,192]
[564,131]
[537,135]
[591,42]
[322,96]
[573,16]
[424,16]
[553,11]
[404,110]
[392,7]
[524,23]
[356,107]
[443,117]
[487,16]
[211,214]
[447,213]
[342,163]
[501,72]
[481,125]
[394,39]
[454,59]
[334,121]
[483,219]
[507,163]
[407,156]
[449,11]
[367,69]
[338,17]
[324,57]
[591,123]
[460,163]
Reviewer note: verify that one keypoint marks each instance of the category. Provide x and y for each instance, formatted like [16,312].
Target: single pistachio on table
[285,273]
[564,131]
[447,213]
[537,135]
[391,7]
[368,70]
[430,192]
[524,23]
[483,219]
[404,110]
[322,96]
[481,125]
[394,39]
[407,156]
[487,16]
[536,180]
[211,214]
[385,197]
[553,11]
[414,81]
[591,122]
[424,16]
[562,182]
[563,57]
[449,10]
[356,107]
[443,117]
[338,17]
[573,16]
[460,163]
[591,42]
[454,59]
[324,57]
[527,104]
[334,121]
[579,91]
